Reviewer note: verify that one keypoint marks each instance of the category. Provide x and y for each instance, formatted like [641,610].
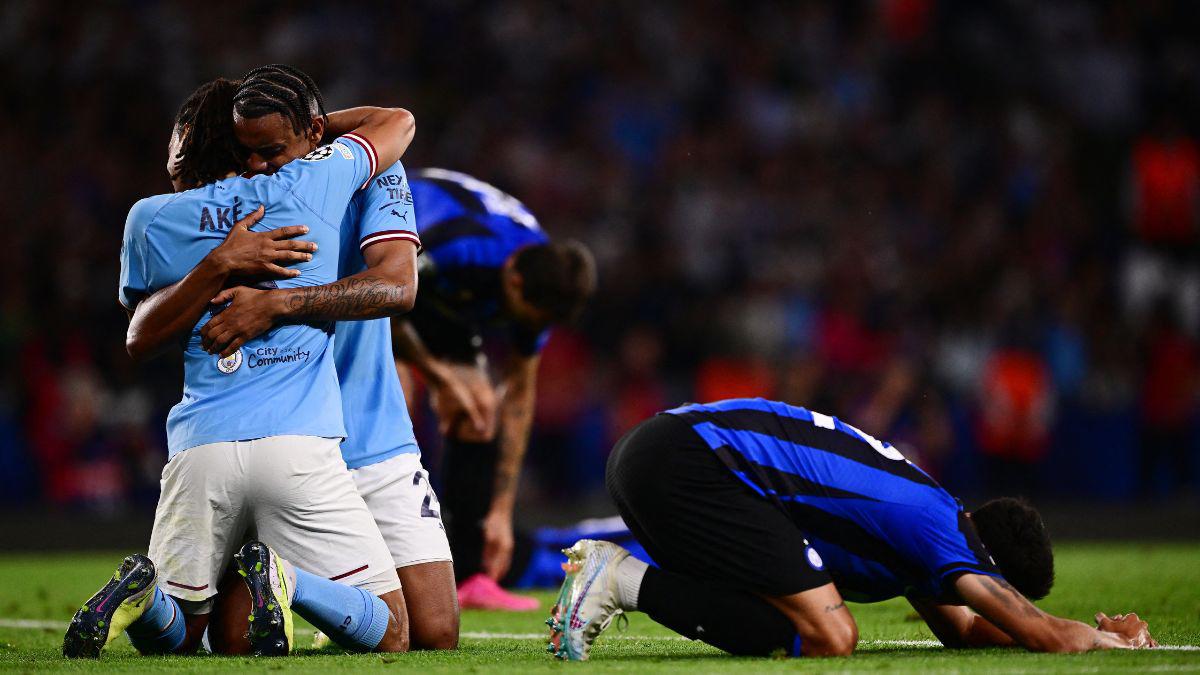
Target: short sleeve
[133,286]
[326,179]
[387,210]
[951,549]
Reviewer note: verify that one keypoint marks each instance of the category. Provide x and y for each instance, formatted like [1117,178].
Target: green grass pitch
[38,594]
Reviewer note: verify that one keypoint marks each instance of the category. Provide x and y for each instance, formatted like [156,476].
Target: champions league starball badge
[323,152]
[230,363]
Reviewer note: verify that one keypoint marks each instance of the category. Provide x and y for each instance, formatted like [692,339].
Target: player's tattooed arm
[516,417]
[163,318]
[1005,608]
[386,288]
[362,296]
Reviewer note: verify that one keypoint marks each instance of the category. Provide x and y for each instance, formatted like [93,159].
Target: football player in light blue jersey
[378,280]
[491,264]
[254,442]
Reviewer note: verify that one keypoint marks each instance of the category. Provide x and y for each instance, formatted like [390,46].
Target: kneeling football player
[278,475]
[766,518]
[377,279]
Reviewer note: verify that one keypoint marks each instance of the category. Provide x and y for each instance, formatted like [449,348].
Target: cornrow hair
[282,89]
[210,151]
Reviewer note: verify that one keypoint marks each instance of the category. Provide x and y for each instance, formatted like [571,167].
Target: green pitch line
[1161,582]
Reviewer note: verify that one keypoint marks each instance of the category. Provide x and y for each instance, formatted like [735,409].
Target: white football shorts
[292,492]
[398,493]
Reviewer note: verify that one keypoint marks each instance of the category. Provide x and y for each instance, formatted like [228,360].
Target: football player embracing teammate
[377,279]
[254,444]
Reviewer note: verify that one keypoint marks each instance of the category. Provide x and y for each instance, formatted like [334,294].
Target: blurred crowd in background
[971,229]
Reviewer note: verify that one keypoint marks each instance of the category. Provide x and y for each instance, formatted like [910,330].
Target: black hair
[282,89]
[558,278]
[210,151]
[1013,532]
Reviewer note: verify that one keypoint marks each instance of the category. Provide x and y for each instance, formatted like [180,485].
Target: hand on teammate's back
[260,255]
[1128,626]
[251,312]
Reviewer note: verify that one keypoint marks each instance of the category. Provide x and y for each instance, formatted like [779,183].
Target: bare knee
[393,641]
[440,633]
[432,602]
[825,625]
[833,638]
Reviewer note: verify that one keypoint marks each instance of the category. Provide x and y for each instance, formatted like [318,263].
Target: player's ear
[317,131]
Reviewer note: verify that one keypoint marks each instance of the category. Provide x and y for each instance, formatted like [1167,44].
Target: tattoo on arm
[1011,597]
[512,442]
[357,297]
[516,416]
[834,608]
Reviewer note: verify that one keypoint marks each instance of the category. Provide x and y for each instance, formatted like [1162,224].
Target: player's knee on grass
[396,639]
[825,626]
[432,602]
[837,636]
[435,633]
[432,629]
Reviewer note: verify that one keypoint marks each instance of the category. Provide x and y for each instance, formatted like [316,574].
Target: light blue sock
[161,628]
[352,618]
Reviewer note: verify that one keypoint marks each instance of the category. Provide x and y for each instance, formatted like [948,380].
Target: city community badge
[230,363]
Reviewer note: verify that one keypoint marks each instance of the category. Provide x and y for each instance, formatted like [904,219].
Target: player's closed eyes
[269,153]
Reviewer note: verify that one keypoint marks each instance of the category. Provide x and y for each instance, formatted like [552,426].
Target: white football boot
[587,603]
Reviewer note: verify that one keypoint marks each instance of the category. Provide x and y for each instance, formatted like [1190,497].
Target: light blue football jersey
[377,422]
[283,382]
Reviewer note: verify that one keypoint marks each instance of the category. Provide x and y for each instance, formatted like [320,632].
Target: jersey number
[827,422]
[430,508]
[882,448]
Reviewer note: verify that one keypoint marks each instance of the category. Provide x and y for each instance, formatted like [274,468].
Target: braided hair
[282,89]
[209,151]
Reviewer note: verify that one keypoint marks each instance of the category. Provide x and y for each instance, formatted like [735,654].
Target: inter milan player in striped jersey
[765,518]
[488,271]
[254,442]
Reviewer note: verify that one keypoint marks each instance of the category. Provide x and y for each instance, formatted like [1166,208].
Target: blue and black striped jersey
[468,230]
[882,526]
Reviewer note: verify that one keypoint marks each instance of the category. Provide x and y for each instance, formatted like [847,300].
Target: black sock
[739,623]
[468,480]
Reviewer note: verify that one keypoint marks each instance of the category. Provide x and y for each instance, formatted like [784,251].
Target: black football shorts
[696,518]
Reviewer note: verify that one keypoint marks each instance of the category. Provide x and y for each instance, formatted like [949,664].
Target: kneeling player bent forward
[765,518]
